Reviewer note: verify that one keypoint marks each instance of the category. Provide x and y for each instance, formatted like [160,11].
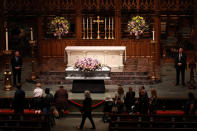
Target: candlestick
[112,28]
[109,29]
[6,38]
[83,28]
[105,30]
[153,34]
[31,30]
[91,28]
[87,29]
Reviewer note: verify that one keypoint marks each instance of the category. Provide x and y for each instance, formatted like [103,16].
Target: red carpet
[26,111]
[159,112]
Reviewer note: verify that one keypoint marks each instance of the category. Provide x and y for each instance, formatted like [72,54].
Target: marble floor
[166,88]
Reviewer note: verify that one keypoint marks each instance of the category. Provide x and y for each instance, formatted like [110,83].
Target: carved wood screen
[76,10]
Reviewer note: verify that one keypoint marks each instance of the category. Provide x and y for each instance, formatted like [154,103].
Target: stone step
[108,82]
[116,78]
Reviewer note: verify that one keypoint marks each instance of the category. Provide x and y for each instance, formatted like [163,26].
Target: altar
[112,56]
[92,81]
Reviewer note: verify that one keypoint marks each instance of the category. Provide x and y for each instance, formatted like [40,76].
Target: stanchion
[7,73]
[153,76]
[33,73]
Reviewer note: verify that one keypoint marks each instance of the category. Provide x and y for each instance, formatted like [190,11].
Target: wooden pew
[38,122]
[154,122]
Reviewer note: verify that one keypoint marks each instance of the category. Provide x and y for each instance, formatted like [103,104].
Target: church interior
[131,53]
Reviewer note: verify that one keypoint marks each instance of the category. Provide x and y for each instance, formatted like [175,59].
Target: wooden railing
[134,48]
[63,5]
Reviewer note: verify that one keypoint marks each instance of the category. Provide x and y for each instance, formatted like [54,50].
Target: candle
[91,28]
[153,34]
[6,38]
[31,30]
[105,23]
[87,24]
[83,24]
[91,24]
[109,23]
[112,28]
[112,24]
[87,29]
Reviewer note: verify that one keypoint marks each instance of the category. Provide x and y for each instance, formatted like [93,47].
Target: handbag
[114,109]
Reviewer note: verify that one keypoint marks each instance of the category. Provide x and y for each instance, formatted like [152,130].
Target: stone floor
[166,88]
[70,123]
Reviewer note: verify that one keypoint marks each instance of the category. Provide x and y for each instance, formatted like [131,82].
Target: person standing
[180,65]
[87,110]
[38,97]
[130,99]
[16,63]
[47,101]
[190,105]
[143,102]
[61,100]
[119,99]
[19,100]
[153,102]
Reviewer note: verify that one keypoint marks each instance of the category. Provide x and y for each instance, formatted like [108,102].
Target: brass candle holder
[33,44]
[153,76]
[7,72]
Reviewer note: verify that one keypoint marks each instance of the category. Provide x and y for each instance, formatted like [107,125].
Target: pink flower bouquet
[87,64]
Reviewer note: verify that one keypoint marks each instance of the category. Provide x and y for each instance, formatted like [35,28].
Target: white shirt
[120,96]
[180,55]
[38,92]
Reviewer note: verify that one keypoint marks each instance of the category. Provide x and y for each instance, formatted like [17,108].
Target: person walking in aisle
[87,110]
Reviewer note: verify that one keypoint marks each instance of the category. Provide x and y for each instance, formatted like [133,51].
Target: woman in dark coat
[153,101]
[61,100]
[87,110]
[143,103]
[190,105]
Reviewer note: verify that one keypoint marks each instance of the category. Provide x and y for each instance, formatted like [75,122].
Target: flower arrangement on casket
[87,64]
[137,26]
[59,26]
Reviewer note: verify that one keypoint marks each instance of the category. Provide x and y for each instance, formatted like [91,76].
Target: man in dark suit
[130,100]
[180,65]
[16,62]
[19,100]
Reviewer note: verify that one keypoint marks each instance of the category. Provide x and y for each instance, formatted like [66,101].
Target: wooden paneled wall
[55,48]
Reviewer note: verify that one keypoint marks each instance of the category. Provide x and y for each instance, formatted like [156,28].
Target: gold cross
[98,21]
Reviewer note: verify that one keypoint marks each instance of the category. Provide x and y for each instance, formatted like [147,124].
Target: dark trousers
[84,116]
[178,71]
[16,73]
[19,109]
